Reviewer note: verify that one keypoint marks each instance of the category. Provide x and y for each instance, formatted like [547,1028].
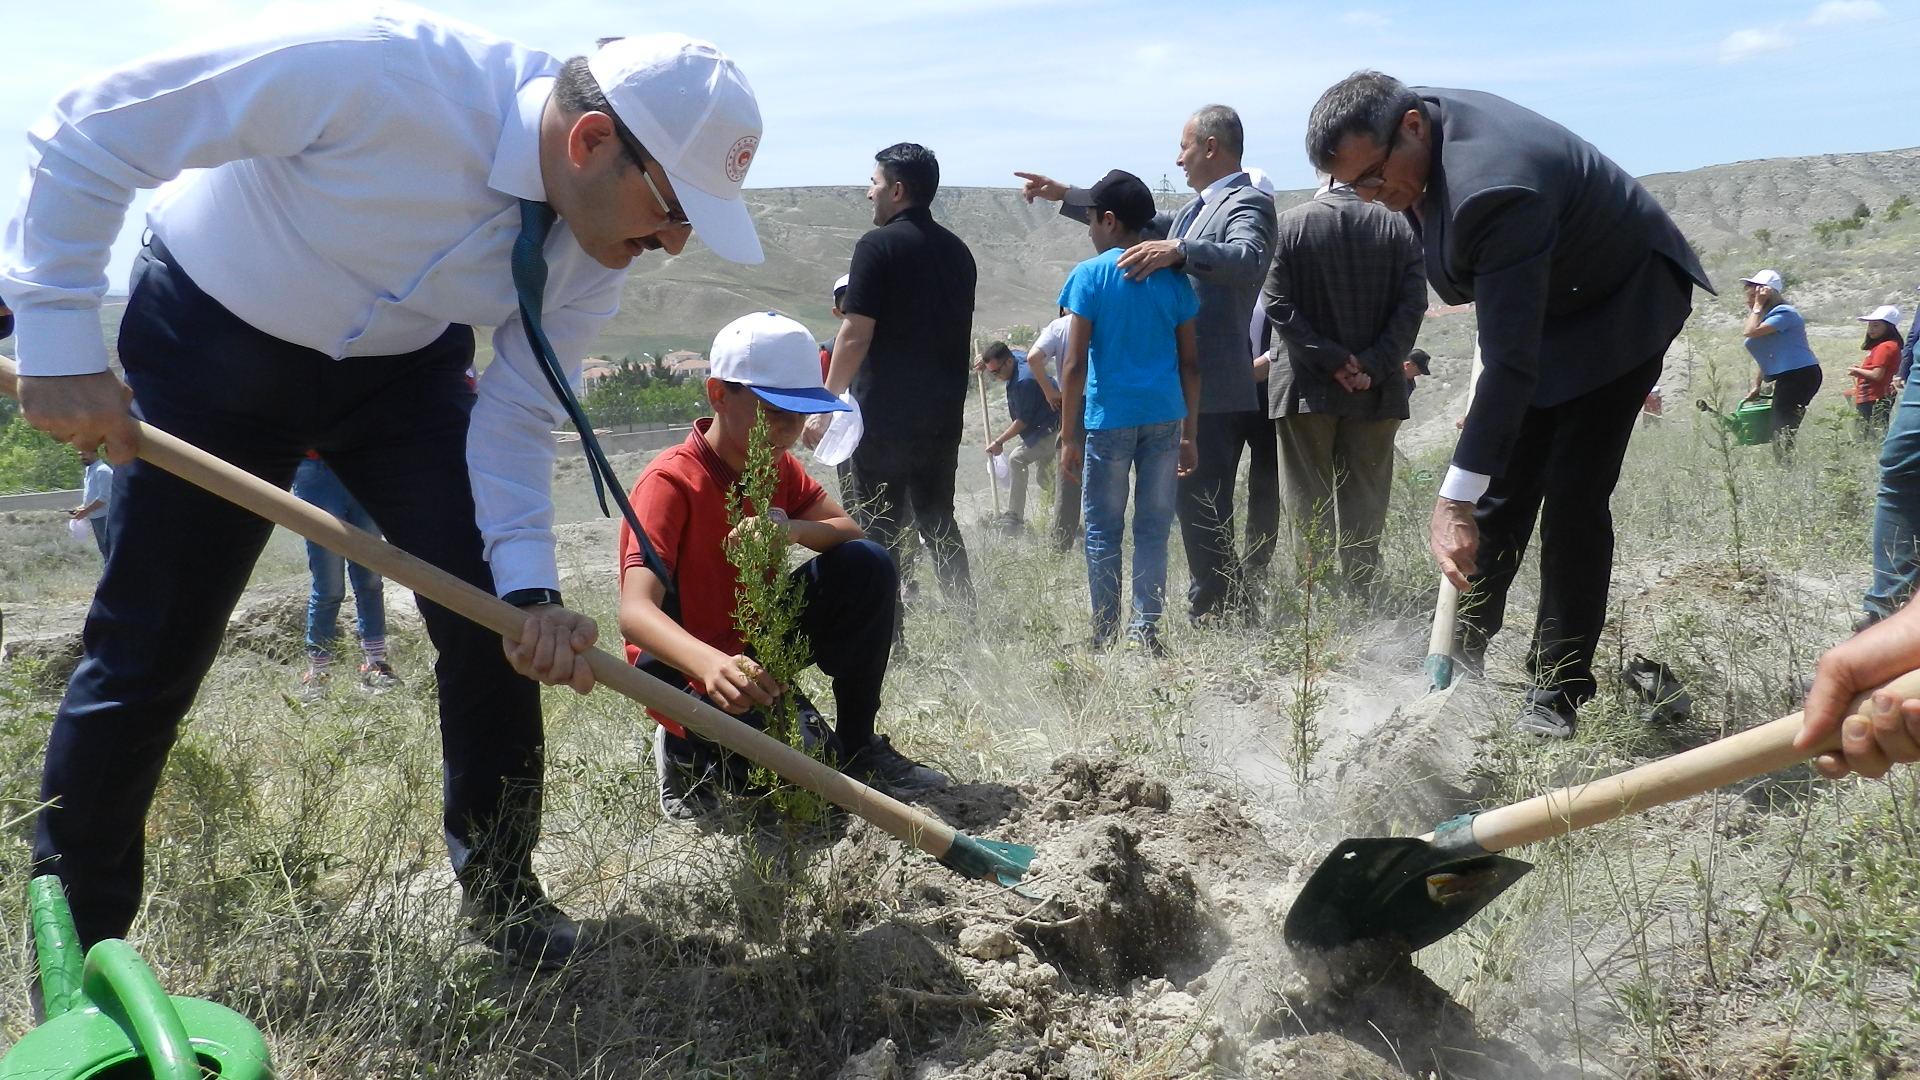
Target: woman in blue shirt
[1777,337]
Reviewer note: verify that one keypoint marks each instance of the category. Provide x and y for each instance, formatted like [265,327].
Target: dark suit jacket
[1227,255]
[1346,281]
[1578,275]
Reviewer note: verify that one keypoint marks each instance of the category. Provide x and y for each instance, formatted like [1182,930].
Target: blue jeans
[1150,452]
[316,483]
[1896,516]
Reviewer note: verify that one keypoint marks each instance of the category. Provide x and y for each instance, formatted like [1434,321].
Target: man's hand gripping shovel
[989,860]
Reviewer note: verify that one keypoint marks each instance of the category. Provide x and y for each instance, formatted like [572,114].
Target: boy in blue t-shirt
[1130,393]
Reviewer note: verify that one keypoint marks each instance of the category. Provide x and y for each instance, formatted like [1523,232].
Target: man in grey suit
[1346,294]
[1581,282]
[1222,240]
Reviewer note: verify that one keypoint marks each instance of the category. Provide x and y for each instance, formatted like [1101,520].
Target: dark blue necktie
[530,285]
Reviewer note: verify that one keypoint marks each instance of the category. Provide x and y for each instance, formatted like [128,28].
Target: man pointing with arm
[376,182]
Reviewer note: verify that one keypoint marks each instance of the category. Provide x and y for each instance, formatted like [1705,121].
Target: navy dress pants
[394,429]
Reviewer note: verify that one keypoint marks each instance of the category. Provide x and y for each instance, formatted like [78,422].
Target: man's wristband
[533,597]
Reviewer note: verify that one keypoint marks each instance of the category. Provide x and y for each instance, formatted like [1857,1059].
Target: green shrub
[30,460]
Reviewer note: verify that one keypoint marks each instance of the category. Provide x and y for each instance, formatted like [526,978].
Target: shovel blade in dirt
[1402,888]
[1417,890]
[980,859]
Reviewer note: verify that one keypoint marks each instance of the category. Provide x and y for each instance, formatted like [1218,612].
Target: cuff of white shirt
[59,341]
[523,564]
[1463,486]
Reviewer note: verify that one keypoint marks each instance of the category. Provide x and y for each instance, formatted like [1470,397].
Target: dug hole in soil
[1145,941]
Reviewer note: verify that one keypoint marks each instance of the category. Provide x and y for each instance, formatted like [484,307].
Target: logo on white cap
[692,109]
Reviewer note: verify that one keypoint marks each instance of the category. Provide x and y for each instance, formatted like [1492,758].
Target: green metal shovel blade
[1400,888]
[988,859]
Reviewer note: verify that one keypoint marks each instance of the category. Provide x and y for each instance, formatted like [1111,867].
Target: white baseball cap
[1769,278]
[1259,178]
[777,358]
[1886,313]
[841,282]
[693,111]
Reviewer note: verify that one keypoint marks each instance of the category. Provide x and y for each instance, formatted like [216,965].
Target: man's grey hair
[1222,125]
[1364,103]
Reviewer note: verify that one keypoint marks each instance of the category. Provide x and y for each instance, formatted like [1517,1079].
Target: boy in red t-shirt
[761,364]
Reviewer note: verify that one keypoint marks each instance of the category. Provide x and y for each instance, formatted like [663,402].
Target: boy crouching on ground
[761,364]
[1130,390]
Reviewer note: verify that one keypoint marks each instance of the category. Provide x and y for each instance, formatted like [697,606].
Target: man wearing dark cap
[1416,366]
[372,184]
[1580,283]
[1130,396]
[1221,242]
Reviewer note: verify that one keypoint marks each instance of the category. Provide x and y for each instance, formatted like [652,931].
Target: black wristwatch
[531,597]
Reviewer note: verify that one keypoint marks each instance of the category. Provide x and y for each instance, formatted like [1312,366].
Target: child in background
[1872,392]
[1130,387]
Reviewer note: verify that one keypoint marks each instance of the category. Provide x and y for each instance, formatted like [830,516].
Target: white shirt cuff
[523,564]
[1463,486]
[59,341]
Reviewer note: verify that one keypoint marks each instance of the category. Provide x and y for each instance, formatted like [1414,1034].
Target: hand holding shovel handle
[974,858]
[1413,891]
[1754,752]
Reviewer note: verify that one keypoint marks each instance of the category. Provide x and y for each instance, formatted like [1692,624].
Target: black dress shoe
[528,930]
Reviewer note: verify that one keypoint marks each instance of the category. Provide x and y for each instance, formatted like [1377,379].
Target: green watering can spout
[109,1019]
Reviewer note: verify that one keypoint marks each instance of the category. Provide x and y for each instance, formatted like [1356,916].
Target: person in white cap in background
[366,175]
[1777,337]
[1872,392]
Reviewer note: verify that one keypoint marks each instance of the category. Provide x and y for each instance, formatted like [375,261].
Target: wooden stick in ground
[1754,752]
[238,486]
[986,425]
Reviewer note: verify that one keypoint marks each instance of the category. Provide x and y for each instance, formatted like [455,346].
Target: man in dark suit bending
[1581,281]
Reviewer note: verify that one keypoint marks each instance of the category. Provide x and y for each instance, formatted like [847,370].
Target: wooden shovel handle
[1750,753]
[238,486]
[1445,611]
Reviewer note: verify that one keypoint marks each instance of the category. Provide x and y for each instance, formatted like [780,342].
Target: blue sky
[1074,88]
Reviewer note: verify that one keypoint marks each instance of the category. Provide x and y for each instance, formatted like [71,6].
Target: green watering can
[1751,422]
[109,1019]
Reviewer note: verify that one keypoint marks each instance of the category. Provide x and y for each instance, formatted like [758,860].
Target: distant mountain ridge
[1024,251]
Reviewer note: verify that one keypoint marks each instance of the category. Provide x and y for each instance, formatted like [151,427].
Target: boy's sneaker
[378,676]
[684,794]
[1145,639]
[879,765]
[1547,715]
[313,687]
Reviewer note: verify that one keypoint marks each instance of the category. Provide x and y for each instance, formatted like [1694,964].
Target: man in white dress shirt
[315,289]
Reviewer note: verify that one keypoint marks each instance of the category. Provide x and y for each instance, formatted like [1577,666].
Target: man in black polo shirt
[904,349]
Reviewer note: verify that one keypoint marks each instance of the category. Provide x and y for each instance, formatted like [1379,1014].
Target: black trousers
[851,591]
[1206,503]
[1565,464]
[1792,392]
[394,429]
[1263,494]
[904,484]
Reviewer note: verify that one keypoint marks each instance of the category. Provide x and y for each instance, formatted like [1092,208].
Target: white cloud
[1845,12]
[1747,44]
[1371,20]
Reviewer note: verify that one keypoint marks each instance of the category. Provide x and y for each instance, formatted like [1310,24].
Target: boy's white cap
[841,282]
[777,358]
[1885,313]
[1769,278]
[693,111]
[1259,178]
